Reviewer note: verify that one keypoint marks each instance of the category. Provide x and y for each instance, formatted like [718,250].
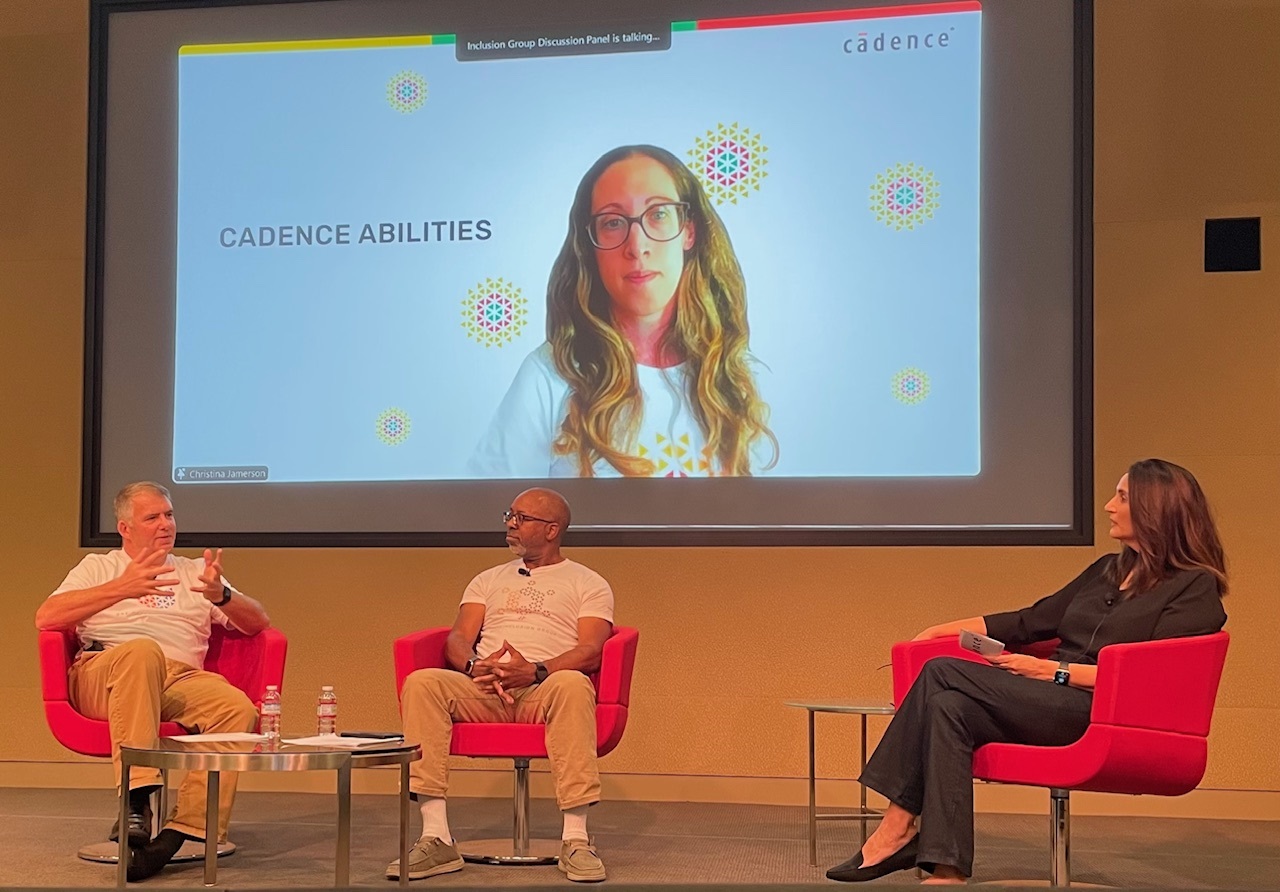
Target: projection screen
[742,273]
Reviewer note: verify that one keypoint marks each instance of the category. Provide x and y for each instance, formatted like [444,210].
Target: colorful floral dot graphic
[904,196]
[393,427]
[158,602]
[910,386]
[729,162]
[494,313]
[407,91]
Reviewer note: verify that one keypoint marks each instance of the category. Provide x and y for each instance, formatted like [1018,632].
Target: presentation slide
[707,248]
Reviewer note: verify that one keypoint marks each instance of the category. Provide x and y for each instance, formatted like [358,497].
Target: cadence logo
[867,42]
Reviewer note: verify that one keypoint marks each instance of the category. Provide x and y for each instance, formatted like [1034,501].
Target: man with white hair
[143,617]
[528,634]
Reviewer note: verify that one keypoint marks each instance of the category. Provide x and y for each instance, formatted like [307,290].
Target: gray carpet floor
[288,841]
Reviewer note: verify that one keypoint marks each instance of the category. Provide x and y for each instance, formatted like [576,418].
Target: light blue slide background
[286,356]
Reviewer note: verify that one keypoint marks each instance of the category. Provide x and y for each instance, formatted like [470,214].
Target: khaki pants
[433,699]
[134,688]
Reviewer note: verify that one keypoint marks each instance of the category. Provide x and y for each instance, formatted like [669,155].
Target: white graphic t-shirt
[178,621]
[537,614]
[519,440]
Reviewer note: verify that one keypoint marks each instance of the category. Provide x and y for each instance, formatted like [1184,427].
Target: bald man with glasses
[528,634]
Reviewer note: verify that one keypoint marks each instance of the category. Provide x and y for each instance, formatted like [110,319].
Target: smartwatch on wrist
[226,596]
[539,673]
[471,664]
[1063,675]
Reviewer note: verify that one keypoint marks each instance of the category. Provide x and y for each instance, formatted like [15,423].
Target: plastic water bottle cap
[327,687]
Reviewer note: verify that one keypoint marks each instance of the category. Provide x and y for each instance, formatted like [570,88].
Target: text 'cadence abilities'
[326,234]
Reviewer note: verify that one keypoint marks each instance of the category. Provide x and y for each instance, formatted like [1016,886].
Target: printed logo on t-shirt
[158,602]
[528,599]
[676,457]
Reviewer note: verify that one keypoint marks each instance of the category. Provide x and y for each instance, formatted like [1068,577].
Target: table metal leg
[122,865]
[163,814]
[862,763]
[342,873]
[813,798]
[211,829]
[404,823]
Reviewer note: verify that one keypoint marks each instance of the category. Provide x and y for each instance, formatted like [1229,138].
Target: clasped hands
[497,675]
[144,577]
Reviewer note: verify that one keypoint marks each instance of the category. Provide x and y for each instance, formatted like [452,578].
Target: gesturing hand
[1021,664]
[210,584]
[142,576]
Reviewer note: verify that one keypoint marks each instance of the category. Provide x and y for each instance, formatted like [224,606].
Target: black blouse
[1186,603]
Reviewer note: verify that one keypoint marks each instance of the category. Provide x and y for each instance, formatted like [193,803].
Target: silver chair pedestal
[108,852]
[520,849]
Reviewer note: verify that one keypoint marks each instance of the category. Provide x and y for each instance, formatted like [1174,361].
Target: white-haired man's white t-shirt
[178,621]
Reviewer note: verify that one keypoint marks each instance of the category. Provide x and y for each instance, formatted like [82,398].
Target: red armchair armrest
[419,650]
[909,658]
[1166,685]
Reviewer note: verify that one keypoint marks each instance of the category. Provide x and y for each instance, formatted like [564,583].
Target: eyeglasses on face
[660,222]
[520,517]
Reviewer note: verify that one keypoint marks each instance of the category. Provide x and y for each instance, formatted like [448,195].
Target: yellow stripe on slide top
[284,46]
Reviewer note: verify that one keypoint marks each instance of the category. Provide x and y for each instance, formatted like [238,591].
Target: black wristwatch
[471,664]
[226,596]
[1063,675]
[539,673]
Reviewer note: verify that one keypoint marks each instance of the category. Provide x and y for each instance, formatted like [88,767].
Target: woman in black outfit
[1167,582]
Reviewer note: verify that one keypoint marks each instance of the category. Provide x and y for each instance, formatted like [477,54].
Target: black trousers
[924,762]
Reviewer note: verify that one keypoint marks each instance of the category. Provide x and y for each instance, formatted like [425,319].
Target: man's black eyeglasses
[520,517]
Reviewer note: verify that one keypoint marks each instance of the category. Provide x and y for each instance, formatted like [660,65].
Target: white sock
[435,822]
[575,823]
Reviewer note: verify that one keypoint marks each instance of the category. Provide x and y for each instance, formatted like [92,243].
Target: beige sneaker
[428,858]
[580,862]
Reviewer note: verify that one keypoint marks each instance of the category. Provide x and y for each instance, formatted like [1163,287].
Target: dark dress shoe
[841,870]
[139,827]
[852,870]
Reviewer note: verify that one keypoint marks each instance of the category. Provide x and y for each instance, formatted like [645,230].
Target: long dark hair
[709,333]
[1172,526]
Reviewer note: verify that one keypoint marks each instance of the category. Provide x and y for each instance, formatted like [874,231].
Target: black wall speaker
[1233,245]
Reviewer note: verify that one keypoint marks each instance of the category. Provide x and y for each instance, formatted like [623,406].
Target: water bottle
[327,711]
[269,716]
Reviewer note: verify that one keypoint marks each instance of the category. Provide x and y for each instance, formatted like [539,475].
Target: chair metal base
[109,852]
[503,851]
[1039,884]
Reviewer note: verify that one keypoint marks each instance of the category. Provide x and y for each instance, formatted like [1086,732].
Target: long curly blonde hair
[709,332]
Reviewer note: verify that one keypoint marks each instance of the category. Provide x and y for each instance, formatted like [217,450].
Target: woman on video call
[646,369]
[1167,582]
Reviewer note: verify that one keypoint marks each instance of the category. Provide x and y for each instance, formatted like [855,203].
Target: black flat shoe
[852,870]
[840,871]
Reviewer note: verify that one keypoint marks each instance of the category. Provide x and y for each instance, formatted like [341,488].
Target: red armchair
[522,742]
[1148,732]
[250,662]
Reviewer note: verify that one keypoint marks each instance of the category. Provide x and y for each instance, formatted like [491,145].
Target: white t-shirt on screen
[519,440]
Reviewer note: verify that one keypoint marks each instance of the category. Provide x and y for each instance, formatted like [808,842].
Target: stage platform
[287,840]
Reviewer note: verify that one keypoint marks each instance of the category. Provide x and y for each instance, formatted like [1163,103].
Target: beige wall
[1186,368]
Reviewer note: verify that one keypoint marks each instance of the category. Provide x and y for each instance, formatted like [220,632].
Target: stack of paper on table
[346,743]
[221,737]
